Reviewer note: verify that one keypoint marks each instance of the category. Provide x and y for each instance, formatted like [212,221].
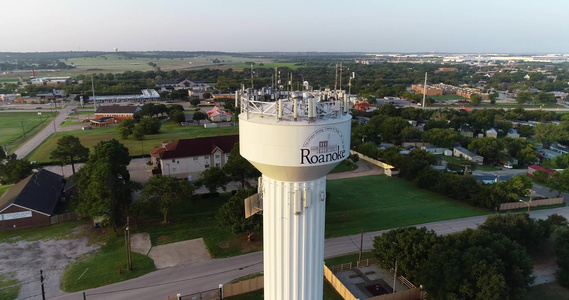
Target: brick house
[31,202]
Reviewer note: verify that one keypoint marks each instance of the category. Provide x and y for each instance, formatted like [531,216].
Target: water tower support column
[293,238]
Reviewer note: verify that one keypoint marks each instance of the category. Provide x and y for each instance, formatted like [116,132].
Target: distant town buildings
[52,81]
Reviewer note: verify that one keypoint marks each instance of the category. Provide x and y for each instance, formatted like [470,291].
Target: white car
[508,166]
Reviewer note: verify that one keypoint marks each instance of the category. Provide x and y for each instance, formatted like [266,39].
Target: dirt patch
[24,260]
[140,243]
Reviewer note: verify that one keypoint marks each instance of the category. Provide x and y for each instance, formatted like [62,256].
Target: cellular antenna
[425,90]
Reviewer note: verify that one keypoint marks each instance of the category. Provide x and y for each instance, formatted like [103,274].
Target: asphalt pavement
[207,275]
[35,141]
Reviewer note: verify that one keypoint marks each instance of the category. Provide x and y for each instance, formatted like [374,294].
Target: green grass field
[57,231]
[5,282]
[13,126]
[447,97]
[380,202]
[89,138]
[4,188]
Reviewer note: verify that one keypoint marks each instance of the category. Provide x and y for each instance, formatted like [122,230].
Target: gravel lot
[25,259]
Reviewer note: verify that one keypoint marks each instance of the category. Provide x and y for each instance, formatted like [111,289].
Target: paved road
[46,132]
[208,274]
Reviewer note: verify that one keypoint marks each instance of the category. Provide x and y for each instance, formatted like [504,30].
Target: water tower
[294,139]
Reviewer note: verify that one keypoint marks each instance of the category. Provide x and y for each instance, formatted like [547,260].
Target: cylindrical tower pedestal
[293,238]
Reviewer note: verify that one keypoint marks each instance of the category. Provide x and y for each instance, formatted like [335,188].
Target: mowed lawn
[13,125]
[379,202]
[169,132]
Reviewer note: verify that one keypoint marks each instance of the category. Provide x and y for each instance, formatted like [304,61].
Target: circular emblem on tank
[325,145]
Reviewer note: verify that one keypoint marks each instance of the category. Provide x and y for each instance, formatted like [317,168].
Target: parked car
[508,166]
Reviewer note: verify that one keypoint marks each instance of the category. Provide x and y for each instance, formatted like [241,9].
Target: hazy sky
[519,26]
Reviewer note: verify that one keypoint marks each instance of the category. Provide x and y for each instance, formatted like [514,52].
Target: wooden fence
[412,294]
[337,284]
[243,287]
[534,203]
[64,217]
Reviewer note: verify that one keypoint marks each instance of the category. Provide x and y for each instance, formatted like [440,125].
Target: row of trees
[490,262]
[139,129]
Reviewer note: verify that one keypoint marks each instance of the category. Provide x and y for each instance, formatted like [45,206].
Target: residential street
[208,274]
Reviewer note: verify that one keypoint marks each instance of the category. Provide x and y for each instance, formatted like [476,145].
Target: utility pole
[361,245]
[94,101]
[42,287]
[394,276]
[425,90]
[127,242]
[341,69]
[23,130]
[336,79]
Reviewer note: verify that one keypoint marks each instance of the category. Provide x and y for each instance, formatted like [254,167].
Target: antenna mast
[94,100]
[252,87]
[424,90]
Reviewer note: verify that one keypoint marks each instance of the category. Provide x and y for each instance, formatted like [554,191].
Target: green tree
[390,129]
[164,192]
[104,185]
[510,190]
[69,151]
[477,264]
[3,155]
[199,115]
[149,126]
[490,148]
[441,137]
[549,133]
[177,116]
[410,133]
[14,170]
[475,99]
[232,215]
[240,169]
[562,252]
[213,178]
[409,246]
[524,97]
[517,227]
[125,128]
[138,133]
[559,181]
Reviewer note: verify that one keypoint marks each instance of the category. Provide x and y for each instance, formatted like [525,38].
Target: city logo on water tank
[325,145]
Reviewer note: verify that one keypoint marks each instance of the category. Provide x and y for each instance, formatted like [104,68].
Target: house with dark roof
[187,158]
[117,112]
[31,202]
[464,153]
[466,131]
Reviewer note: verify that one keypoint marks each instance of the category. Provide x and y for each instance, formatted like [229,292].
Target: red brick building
[31,202]
[117,112]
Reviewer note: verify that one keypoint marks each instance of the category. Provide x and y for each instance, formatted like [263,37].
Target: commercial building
[187,158]
[118,113]
[52,81]
[31,202]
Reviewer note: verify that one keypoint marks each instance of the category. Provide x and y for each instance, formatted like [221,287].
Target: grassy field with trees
[89,138]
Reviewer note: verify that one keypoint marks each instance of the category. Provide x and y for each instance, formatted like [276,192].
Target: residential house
[187,158]
[461,152]
[533,168]
[31,202]
[434,149]
[558,148]
[513,134]
[466,131]
[492,133]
